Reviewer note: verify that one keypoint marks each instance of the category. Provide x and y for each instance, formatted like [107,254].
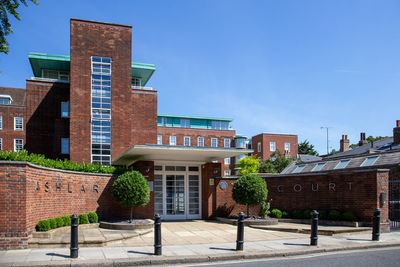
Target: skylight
[319,166]
[299,169]
[369,161]
[342,164]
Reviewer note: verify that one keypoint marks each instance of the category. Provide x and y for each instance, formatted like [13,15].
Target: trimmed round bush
[334,215]
[297,214]
[67,220]
[276,213]
[93,218]
[323,215]
[53,223]
[250,190]
[83,219]
[306,214]
[285,214]
[43,226]
[348,216]
[131,190]
[59,221]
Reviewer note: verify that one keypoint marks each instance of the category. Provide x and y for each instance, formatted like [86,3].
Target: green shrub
[323,215]
[264,212]
[334,215]
[93,218]
[249,190]
[53,223]
[43,226]
[306,214]
[83,219]
[131,190]
[285,214]
[297,214]
[348,216]
[276,213]
[59,164]
[67,220]
[59,221]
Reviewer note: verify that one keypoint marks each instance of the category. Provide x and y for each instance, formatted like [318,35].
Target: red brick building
[265,144]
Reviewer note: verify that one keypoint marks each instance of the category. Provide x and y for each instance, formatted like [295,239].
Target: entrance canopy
[177,153]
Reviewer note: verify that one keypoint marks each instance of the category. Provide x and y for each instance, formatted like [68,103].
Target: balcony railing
[142,88]
[48,80]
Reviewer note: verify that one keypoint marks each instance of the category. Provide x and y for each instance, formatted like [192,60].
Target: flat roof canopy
[177,153]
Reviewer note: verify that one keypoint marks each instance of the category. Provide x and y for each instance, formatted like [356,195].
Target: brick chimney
[362,141]
[396,133]
[344,143]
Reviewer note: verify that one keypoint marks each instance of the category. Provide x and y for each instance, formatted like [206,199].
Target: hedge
[59,164]
[275,213]
[83,219]
[333,215]
[93,218]
[46,225]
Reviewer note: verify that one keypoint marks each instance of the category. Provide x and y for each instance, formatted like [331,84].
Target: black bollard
[240,232]
[74,237]
[376,228]
[314,228]
[157,234]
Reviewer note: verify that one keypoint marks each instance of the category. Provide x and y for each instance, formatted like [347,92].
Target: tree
[369,140]
[248,164]
[306,148]
[250,190]
[131,190]
[9,6]
[276,164]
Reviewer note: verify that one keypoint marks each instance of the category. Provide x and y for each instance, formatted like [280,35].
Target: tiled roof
[18,95]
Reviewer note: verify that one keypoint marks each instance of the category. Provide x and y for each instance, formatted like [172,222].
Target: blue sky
[272,66]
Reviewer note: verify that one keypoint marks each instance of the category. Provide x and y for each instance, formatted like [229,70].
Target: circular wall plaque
[223,186]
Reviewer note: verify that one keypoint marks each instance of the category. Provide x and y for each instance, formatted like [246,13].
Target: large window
[200,141]
[220,125]
[56,74]
[18,123]
[185,123]
[64,145]
[1,122]
[214,142]
[272,146]
[287,147]
[65,109]
[227,142]
[101,110]
[172,140]
[18,145]
[259,147]
[159,139]
[186,141]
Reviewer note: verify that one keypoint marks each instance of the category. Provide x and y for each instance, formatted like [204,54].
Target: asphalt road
[364,258]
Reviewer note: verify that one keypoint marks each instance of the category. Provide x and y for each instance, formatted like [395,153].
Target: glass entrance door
[177,192]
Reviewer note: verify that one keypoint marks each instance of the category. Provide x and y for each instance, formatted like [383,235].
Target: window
[272,146]
[18,123]
[1,122]
[18,145]
[5,100]
[200,141]
[299,169]
[64,145]
[214,142]
[369,161]
[159,139]
[227,173]
[227,142]
[227,161]
[64,109]
[1,143]
[319,166]
[186,141]
[185,123]
[287,147]
[56,75]
[259,147]
[172,140]
[220,125]
[272,158]
[136,81]
[342,164]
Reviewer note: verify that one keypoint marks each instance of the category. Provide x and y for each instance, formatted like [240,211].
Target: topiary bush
[323,215]
[59,221]
[285,214]
[43,226]
[93,218]
[275,213]
[334,215]
[131,190]
[83,219]
[249,190]
[53,223]
[297,214]
[264,212]
[306,214]
[67,220]
[348,216]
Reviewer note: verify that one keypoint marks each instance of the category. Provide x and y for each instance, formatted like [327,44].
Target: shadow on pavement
[228,249]
[57,255]
[140,252]
[294,244]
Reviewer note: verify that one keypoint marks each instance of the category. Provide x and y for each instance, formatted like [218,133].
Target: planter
[125,225]
[249,221]
[325,222]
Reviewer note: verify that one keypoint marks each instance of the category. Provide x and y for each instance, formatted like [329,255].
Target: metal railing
[142,87]
[48,80]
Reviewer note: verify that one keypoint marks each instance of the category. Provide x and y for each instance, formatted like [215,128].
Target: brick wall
[8,134]
[208,204]
[279,139]
[44,125]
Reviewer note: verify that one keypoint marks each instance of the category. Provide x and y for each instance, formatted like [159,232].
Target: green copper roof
[195,117]
[40,61]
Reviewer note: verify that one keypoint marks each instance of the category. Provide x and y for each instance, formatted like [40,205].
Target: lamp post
[327,138]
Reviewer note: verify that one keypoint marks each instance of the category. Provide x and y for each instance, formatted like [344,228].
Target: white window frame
[227,161]
[15,144]
[184,140]
[202,141]
[159,139]
[259,147]
[15,124]
[214,141]
[272,146]
[1,122]
[136,81]
[227,142]
[287,147]
[172,140]
[64,152]
[227,173]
